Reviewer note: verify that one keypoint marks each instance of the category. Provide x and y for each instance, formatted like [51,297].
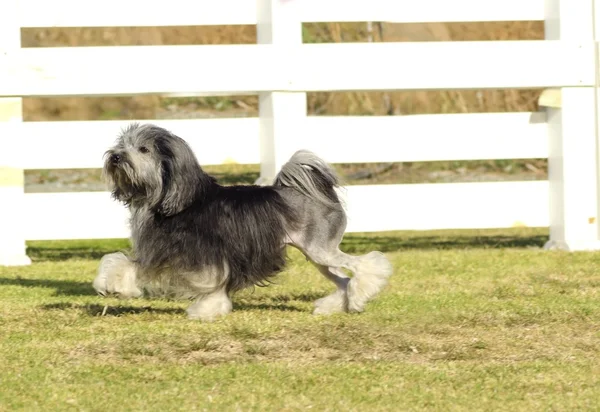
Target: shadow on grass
[61,287]
[110,310]
[280,302]
[249,306]
[282,298]
[302,297]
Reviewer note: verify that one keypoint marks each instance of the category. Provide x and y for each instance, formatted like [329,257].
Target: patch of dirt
[358,343]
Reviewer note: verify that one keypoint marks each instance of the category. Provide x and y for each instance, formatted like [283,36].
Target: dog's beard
[122,178]
[134,187]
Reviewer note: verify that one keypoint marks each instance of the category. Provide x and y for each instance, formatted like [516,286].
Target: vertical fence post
[282,114]
[572,161]
[12,238]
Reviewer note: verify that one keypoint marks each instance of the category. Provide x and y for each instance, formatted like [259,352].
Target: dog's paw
[116,276]
[100,284]
[211,307]
[337,302]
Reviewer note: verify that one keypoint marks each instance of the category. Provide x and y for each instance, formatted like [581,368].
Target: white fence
[281,70]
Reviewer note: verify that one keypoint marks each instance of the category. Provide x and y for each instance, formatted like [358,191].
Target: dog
[193,238]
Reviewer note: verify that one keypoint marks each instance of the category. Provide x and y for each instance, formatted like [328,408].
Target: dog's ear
[182,177]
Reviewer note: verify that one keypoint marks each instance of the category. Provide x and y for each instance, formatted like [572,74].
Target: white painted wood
[442,65]
[281,118]
[12,240]
[550,98]
[415,138]
[94,215]
[447,206]
[572,172]
[339,139]
[129,70]
[12,225]
[81,144]
[281,114]
[573,140]
[75,13]
[421,11]
[568,20]
[309,67]
[84,215]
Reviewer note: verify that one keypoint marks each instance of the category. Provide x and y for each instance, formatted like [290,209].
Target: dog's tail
[312,177]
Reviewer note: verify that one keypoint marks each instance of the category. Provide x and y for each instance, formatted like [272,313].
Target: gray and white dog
[195,239]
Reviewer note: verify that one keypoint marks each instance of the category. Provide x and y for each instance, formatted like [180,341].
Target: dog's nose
[115,159]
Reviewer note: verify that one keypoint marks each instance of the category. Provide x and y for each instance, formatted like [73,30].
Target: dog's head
[150,166]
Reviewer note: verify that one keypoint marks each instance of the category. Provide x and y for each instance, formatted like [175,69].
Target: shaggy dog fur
[193,238]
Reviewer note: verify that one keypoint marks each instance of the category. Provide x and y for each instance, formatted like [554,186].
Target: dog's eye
[144,149]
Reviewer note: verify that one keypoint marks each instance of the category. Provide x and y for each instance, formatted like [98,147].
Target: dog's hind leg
[371,273]
[318,236]
[338,300]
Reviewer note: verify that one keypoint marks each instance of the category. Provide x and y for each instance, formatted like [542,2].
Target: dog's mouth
[121,177]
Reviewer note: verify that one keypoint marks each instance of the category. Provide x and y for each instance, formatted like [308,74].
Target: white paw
[210,308]
[370,278]
[116,275]
[337,302]
[100,283]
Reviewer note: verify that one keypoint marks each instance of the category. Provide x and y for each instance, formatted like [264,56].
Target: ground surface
[470,321]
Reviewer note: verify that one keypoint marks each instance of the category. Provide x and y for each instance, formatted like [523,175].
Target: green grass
[478,320]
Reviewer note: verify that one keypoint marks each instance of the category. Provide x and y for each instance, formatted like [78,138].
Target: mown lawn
[480,320]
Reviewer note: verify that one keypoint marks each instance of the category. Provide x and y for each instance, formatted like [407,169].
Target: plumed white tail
[312,176]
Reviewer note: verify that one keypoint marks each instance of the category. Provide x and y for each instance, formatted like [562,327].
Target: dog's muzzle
[115,159]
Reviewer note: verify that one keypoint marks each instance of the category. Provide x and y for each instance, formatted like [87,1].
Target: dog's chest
[139,223]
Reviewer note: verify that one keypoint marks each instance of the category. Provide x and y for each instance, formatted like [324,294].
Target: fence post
[281,114]
[573,145]
[12,238]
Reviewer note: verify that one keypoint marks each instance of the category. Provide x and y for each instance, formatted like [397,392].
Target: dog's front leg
[210,306]
[117,275]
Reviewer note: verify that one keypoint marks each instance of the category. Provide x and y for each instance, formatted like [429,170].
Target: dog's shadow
[251,306]
[277,302]
[280,302]
[126,310]
[110,310]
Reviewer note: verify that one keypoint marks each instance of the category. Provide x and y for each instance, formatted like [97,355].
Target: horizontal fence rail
[130,70]
[94,215]
[339,139]
[74,13]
